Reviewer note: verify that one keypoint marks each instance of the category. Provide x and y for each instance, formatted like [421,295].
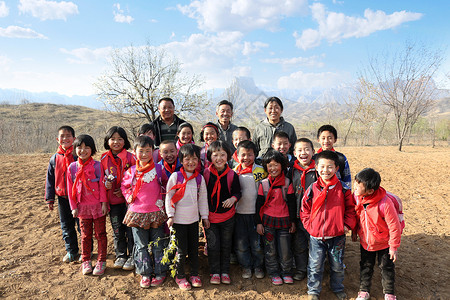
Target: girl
[275,216]
[209,134]
[142,188]
[115,162]
[185,135]
[87,197]
[224,191]
[186,198]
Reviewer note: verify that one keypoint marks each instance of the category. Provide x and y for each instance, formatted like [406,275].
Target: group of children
[276,212]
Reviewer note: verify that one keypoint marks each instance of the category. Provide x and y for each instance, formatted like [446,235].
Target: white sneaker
[118,264]
[363,296]
[129,264]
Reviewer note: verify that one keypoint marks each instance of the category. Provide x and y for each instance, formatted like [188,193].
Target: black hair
[329,128]
[189,150]
[247,144]
[216,146]
[275,156]
[166,142]
[184,125]
[305,140]
[87,140]
[67,128]
[244,129]
[142,141]
[146,128]
[273,99]
[225,102]
[166,99]
[328,154]
[280,134]
[370,178]
[209,124]
[121,132]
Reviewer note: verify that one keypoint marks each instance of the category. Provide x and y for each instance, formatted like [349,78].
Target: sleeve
[257,140]
[102,188]
[70,186]
[170,183]
[50,181]
[203,200]
[260,199]
[293,139]
[305,211]
[125,186]
[236,187]
[157,133]
[349,213]
[291,202]
[393,223]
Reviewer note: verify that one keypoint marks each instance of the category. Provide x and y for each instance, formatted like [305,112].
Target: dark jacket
[157,124]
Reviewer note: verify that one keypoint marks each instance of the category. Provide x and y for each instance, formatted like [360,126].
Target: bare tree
[404,83]
[139,76]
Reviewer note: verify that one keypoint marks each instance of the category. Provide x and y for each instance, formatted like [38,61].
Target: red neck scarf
[379,194]
[297,166]
[217,185]
[119,165]
[68,157]
[140,172]
[320,150]
[179,144]
[81,176]
[170,168]
[319,201]
[181,187]
[240,170]
[280,180]
[235,157]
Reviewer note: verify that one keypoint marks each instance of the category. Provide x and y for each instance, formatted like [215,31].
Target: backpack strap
[230,177]
[265,185]
[73,170]
[206,174]
[98,171]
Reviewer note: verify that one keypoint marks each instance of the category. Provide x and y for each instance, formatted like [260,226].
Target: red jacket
[337,212]
[375,232]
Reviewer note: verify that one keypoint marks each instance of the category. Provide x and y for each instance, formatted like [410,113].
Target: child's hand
[206,223]
[170,222]
[108,185]
[393,255]
[229,202]
[354,236]
[50,206]
[104,208]
[75,212]
[346,229]
[260,229]
[118,193]
[292,228]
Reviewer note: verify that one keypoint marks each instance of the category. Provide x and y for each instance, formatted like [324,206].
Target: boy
[239,134]
[281,143]
[56,184]
[303,174]
[327,137]
[170,161]
[375,213]
[248,248]
[328,212]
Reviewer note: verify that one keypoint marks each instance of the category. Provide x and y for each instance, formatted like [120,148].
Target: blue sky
[62,46]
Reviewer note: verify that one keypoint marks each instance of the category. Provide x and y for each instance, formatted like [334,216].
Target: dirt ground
[31,248]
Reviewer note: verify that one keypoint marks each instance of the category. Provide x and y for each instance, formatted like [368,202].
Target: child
[209,134]
[169,161]
[275,216]
[185,135]
[142,188]
[280,142]
[186,199]
[224,191]
[87,197]
[115,162]
[379,232]
[248,248]
[149,130]
[327,137]
[239,134]
[56,184]
[303,174]
[328,212]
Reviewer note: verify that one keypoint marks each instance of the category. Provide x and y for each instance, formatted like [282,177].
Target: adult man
[167,123]
[224,113]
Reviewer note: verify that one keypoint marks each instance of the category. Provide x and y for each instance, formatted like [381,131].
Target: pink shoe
[363,296]
[195,281]
[183,284]
[157,280]
[276,280]
[389,297]
[86,267]
[288,279]
[145,282]
[100,268]
[215,279]
[225,278]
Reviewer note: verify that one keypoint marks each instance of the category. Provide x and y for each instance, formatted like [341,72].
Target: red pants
[87,227]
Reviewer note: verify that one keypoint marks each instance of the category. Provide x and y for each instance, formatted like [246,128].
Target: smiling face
[209,135]
[185,135]
[239,136]
[326,169]
[326,140]
[219,159]
[224,113]
[246,157]
[273,112]
[281,144]
[144,154]
[65,138]
[360,190]
[116,143]
[190,163]
[83,152]
[303,152]
[168,152]
[274,168]
[166,110]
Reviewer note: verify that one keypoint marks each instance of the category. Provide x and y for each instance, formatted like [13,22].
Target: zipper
[324,214]
[367,227]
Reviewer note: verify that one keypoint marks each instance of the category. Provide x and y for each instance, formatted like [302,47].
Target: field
[31,248]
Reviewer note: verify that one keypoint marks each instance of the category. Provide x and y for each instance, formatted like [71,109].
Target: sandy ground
[31,248]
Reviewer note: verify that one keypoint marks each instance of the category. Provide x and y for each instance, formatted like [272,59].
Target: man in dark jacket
[167,123]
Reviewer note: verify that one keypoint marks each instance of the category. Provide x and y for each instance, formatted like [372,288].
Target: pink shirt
[277,206]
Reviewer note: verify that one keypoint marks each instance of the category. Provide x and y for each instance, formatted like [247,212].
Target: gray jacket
[264,131]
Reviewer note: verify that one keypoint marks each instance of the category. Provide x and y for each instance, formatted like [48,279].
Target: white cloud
[300,80]
[87,56]
[119,15]
[312,61]
[20,32]
[335,27]
[48,10]
[4,10]
[242,15]
[250,47]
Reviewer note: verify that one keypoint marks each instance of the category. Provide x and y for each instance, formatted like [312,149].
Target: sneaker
[69,257]
[195,281]
[341,295]
[129,264]
[389,297]
[276,280]
[86,267]
[145,282]
[118,264]
[100,268]
[363,296]
[183,284]
[288,279]
[247,273]
[313,297]
[215,279]
[299,276]
[259,273]
[225,278]
[157,280]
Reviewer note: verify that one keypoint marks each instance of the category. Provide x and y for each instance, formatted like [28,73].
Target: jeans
[142,260]
[123,235]
[219,237]
[318,251]
[387,270]
[300,241]
[68,223]
[88,226]
[277,251]
[247,242]
[187,241]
